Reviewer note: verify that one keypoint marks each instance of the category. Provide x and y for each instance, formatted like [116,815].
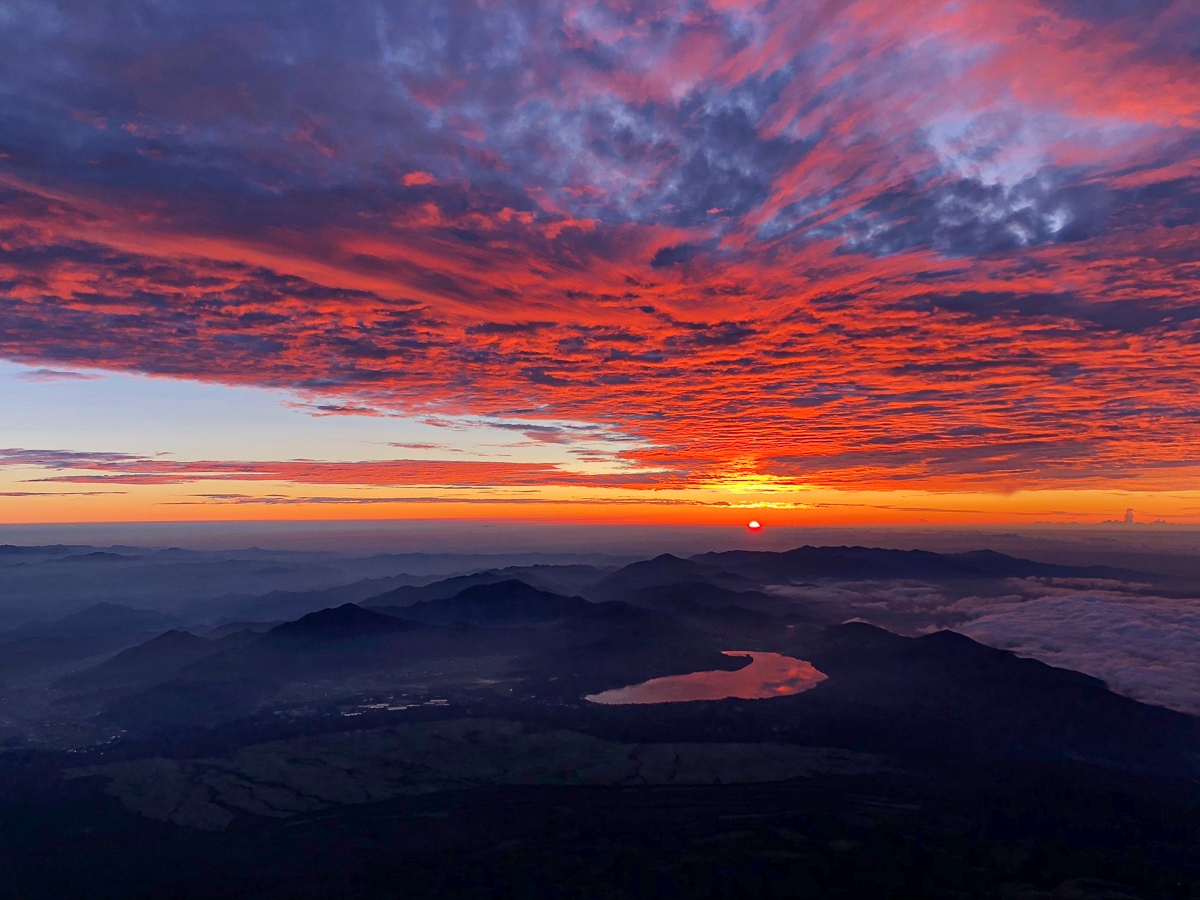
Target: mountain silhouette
[872,562]
[509,602]
[341,623]
[108,616]
[661,570]
[156,659]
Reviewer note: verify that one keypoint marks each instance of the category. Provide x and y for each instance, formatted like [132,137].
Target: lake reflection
[769,675]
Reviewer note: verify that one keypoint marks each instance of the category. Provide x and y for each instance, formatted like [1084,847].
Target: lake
[768,675]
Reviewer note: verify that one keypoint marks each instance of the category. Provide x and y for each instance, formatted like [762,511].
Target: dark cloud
[968,217]
[665,257]
[56,375]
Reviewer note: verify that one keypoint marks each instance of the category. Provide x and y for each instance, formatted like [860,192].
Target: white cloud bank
[1144,647]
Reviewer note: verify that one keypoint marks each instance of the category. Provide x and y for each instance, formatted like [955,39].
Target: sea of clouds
[1142,644]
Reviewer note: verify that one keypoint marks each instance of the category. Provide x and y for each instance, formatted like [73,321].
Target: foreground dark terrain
[420,728]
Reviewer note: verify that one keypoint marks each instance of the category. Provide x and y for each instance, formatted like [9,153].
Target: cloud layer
[855,244]
[1141,643]
[1142,646]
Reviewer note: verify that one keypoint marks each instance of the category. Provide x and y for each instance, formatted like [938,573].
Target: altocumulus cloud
[855,243]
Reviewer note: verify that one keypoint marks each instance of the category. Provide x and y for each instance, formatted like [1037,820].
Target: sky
[634,261]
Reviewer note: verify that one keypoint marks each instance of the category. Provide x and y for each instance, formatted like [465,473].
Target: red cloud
[116,468]
[956,247]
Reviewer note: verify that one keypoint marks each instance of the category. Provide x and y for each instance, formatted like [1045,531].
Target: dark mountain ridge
[99,629]
[282,604]
[341,623]
[872,562]
[509,602]
[409,594]
[156,659]
[942,694]
[100,617]
[699,599]
[661,570]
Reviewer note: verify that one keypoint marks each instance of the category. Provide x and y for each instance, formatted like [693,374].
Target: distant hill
[239,626]
[694,597]
[42,550]
[99,629]
[946,695]
[509,602]
[347,622]
[156,659]
[248,669]
[109,617]
[336,647]
[289,604]
[661,570]
[558,579]
[407,595]
[614,643]
[945,689]
[237,638]
[98,556]
[733,624]
[872,562]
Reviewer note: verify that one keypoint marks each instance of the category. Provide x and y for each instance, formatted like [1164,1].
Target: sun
[754,525]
